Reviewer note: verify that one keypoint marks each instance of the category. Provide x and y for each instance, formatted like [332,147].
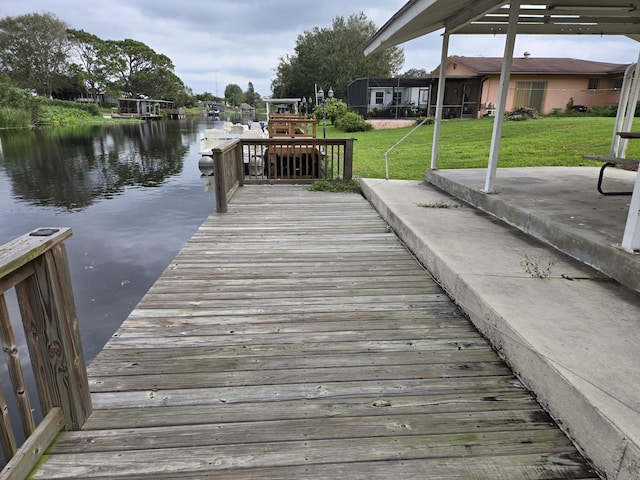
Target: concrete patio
[555,296]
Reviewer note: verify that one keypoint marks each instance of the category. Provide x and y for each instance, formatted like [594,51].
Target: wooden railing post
[239,162]
[14,366]
[219,180]
[53,337]
[36,266]
[7,437]
[348,158]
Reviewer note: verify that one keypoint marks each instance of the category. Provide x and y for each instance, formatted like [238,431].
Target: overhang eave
[495,28]
[478,17]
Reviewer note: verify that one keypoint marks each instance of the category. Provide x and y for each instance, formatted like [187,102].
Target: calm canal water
[132,195]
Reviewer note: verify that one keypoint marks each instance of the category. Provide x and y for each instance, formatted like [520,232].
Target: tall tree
[69,86]
[333,57]
[416,73]
[33,51]
[174,89]
[233,94]
[138,69]
[90,53]
[251,96]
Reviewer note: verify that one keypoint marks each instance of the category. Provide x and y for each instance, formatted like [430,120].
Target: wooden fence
[291,126]
[275,160]
[35,265]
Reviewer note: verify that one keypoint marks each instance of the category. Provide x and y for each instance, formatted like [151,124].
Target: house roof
[538,66]
[547,17]
[403,82]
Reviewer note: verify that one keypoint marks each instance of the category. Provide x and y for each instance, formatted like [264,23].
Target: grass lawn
[549,141]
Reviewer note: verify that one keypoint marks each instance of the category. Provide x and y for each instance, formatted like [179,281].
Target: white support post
[514,11]
[440,101]
[626,109]
[631,238]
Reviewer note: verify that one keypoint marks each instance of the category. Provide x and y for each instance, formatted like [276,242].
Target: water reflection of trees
[70,167]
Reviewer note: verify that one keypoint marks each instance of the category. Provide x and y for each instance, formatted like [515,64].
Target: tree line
[332,58]
[41,53]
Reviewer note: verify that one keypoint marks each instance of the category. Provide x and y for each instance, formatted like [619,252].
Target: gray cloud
[214,43]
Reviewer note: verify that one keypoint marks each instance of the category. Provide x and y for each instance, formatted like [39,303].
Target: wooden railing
[35,265]
[274,160]
[291,126]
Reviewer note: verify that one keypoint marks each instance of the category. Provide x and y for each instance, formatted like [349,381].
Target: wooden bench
[612,161]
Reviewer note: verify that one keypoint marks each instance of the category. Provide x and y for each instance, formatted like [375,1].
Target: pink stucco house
[546,84]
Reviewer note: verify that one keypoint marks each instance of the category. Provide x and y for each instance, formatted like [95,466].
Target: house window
[379,98]
[530,94]
[397,98]
[616,83]
[594,83]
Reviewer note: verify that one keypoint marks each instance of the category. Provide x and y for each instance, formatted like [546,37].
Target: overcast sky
[213,43]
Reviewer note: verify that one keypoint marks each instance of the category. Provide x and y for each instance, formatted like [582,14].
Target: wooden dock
[295,338]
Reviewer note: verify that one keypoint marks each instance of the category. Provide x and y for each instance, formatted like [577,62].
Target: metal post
[439,102]
[514,12]
[324,119]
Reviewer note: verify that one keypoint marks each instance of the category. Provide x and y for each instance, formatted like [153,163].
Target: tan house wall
[489,95]
[560,89]
[456,70]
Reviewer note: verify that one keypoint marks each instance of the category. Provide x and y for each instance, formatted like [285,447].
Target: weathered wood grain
[478,400]
[142,438]
[295,337]
[222,458]
[533,466]
[19,466]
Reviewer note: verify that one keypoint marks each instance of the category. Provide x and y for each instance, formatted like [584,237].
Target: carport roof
[546,17]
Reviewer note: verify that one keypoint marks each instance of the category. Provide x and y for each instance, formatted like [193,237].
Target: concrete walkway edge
[570,342]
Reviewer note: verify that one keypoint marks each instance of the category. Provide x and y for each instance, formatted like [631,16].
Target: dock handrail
[237,162]
[386,154]
[36,266]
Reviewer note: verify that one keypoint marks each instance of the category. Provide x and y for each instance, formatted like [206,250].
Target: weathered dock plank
[295,337]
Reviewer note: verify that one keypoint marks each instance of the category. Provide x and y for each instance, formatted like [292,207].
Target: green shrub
[333,109]
[394,111]
[14,98]
[90,108]
[11,96]
[426,120]
[14,118]
[604,111]
[352,122]
[56,115]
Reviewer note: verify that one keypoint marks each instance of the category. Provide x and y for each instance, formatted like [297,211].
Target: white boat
[216,111]
[252,156]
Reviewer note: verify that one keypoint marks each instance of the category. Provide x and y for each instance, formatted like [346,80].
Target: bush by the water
[14,118]
[20,108]
[65,112]
[56,115]
[352,122]
[13,100]
[90,108]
